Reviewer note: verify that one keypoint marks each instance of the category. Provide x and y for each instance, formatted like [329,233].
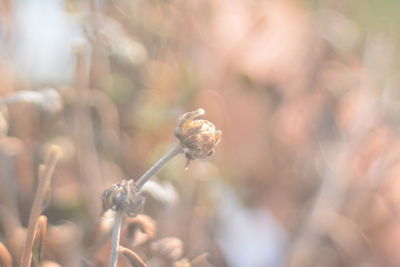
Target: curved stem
[115,238]
[156,167]
[115,250]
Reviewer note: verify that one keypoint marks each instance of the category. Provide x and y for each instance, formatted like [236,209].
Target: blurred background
[306,93]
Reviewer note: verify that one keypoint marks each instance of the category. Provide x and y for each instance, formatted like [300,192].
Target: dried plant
[38,244]
[197,137]
[308,95]
[197,140]
[45,175]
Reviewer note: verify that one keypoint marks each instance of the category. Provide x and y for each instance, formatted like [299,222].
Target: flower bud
[123,196]
[197,137]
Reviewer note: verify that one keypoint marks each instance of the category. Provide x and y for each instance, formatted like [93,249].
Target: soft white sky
[42,42]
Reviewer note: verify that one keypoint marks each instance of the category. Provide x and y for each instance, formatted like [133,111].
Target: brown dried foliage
[306,93]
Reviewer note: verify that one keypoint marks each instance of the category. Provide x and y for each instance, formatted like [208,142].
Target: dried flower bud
[197,137]
[123,196]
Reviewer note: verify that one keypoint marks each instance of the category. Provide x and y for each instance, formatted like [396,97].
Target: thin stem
[156,167]
[115,237]
[38,243]
[83,134]
[115,249]
[45,175]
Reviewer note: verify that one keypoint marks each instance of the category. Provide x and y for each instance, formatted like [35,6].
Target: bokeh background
[306,93]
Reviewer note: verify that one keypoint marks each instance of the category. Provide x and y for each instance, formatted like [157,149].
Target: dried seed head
[123,196]
[197,137]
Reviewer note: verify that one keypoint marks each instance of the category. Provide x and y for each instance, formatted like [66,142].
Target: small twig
[156,167]
[39,238]
[45,175]
[119,217]
[83,133]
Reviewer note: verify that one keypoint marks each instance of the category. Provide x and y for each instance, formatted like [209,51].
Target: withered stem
[157,166]
[119,217]
[45,175]
[121,213]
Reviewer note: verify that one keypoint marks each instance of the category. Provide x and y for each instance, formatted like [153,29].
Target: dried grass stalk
[45,175]
[38,244]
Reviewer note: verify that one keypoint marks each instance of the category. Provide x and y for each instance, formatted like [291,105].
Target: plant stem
[45,175]
[156,167]
[115,237]
[115,249]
